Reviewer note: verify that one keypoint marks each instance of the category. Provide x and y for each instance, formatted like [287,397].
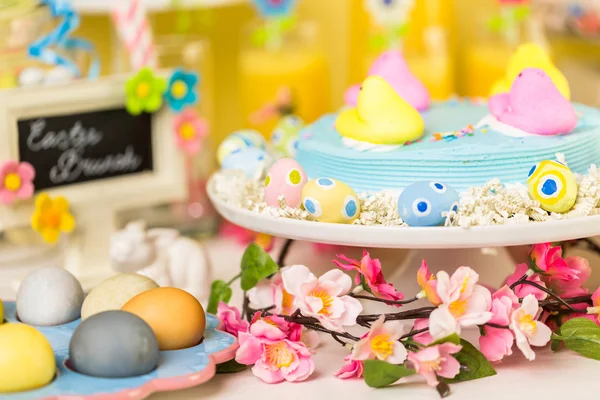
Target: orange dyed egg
[175,316]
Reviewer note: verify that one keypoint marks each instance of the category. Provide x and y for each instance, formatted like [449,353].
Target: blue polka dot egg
[553,185]
[329,200]
[285,135]
[240,140]
[251,160]
[424,203]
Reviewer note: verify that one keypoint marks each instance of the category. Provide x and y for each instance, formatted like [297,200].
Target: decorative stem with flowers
[542,302]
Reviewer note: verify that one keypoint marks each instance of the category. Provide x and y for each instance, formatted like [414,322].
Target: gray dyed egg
[113,344]
[49,296]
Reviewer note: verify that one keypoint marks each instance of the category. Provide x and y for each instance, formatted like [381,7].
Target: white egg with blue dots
[329,200]
[426,203]
[553,185]
[240,140]
[251,160]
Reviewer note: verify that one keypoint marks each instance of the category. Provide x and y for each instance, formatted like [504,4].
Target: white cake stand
[483,248]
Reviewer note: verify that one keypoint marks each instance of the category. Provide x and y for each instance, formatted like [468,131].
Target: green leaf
[230,367]
[454,338]
[521,13]
[379,373]
[256,265]
[582,336]
[473,363]
[555,344]
[219,291]
[496,24]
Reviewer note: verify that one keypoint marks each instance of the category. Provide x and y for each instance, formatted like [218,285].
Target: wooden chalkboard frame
[165,183]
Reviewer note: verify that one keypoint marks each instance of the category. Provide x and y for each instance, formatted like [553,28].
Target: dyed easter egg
[27,360]
[114,292]
[113,344]
[49,296]
[286,177]
[422,203]
[553,185]
[175,316]
[285,135]
[240,140]
[251,160]
[329,200]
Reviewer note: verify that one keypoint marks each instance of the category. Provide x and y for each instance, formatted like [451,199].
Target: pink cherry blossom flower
[350,369]
[435,361]
[528,331]
[523,290]
[189,130]
[495,343]
[16,181]
[595,309]
[549,259]
[324,298]
[275,358]
[310,338]
[370,271]
[464,303]
[381,343]
[230,320]
[428,284]
[573,287]
[270,292]
[423,338]
[291,330]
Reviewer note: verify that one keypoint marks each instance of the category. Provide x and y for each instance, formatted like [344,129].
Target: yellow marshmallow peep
[381,116]
[531,55]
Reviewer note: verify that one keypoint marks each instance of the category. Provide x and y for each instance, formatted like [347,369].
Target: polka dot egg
[251,160]
[240,140]
[423,203]
[285,135]
[329,200]
[286,177]
[553,185]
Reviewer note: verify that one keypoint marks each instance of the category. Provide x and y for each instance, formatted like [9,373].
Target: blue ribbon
[44,49]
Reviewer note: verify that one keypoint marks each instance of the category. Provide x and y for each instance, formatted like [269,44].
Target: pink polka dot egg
[286,177]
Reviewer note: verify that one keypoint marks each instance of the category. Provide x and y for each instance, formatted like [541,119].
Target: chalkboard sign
[84,147]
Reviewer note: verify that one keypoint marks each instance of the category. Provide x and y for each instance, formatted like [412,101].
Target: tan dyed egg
[286,177]
[329,200]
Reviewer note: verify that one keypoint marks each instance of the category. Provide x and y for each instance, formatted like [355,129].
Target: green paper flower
[144,92]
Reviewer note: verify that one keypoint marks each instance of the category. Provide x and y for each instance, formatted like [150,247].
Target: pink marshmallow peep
[392,67]
[534,105]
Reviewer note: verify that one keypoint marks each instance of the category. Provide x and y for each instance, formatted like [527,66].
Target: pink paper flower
[381,343]
[350,369]
[230,320]
[291,330]
[435,361]
[464,303]
[16,181]
[324,298]
[495,343]
[528,331]
[370,271]
[594,311]
[573,287]
[269,292]
[424,338]
[523,290]
[428,284]
[549,259]
[189,130]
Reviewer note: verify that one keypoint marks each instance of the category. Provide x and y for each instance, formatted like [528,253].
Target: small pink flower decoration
[573,287]
[189,130]
[16,181]
[528,331]
[595,309]
[370,271]
[428,284]
[549,260]
[291,330]
[435,361]
[350,369]
[464,303]
[274,357]
[423,338]
[495,343]
[230,320]
[523,290]
[381,343]
[270,292]
[323,298]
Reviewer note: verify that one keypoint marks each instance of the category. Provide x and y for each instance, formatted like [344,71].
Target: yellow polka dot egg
[329,200]
[553,185]
[238,141]
[285,178]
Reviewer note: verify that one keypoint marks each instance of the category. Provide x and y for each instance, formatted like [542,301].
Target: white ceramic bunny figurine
[162,255]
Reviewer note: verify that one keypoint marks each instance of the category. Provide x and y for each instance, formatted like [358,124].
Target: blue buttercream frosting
[461,162]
